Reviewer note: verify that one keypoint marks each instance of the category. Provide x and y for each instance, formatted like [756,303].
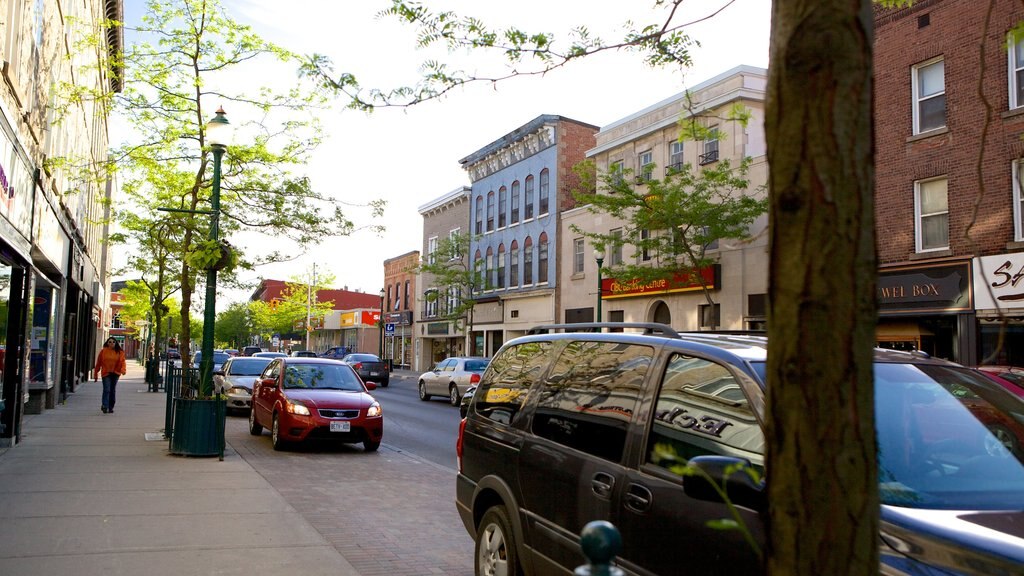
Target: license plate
[341,426]
[374,373]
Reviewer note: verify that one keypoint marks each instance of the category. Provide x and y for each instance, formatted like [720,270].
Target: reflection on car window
[247,366]
[947,438]
[322,376]
[504,386]
[701,410]
[476,365]
[590,396]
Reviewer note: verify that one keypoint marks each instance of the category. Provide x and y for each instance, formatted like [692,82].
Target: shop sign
[999,281]
[437,328]
[348,319]
[402,318]
[370,318]
[935,288]
[614,288]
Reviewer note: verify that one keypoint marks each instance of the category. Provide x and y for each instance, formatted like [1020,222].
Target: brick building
[949,170]
[400,275]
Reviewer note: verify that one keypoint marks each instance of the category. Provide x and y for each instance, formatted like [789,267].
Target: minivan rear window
[508,378]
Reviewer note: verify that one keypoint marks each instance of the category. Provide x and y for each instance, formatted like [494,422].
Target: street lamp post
[599,256]
[218,132]
[380,351]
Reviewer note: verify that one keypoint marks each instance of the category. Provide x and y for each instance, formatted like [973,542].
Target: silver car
[452,377]
[235,380]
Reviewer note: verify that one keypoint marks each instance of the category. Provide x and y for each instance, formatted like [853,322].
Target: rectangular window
[499,270]
[1018,200]
[577,256]
[929,86]
[528,265]
[615,249]
[528,193]
[453,238]
[710,316]
[646,163]
[490,211]
[932,206]
[479,215]
[430,310]
[1016,70]
[431,249]
[710,147]
[542,263]
[515,202]
[453,299]
[645,251]
[513,280]
[616,170]
[502,206]
[486,277]
[675,159]
[542,203]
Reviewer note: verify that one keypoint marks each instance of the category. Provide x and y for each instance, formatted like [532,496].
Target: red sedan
[300,398]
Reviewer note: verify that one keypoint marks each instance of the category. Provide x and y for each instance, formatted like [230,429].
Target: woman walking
[111,365]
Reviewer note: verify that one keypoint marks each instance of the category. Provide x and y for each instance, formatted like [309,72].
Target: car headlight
[297,409]
[239,390]
[374,410]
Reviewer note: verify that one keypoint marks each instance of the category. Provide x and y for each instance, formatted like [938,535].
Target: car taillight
[458,445]
[357,365]
[474,379]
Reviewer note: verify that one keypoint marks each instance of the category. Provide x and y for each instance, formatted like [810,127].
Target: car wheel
[275,434]
[384,384]
[453,395]
[423,391]
[254,427]
[370,446]
[495,553]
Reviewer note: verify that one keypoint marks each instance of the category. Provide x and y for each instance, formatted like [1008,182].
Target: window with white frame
[543,193]
[489,270]
[513,266]
[527,262]
[1016,70]
[645,251]
[929,87]
[528,198]
[514,217]
[710,147]
[502,206]
[646,162]
[675,159]
[430,306]
[932,207]
[454,299]
[615,252]
[542,259]
[431,249]
[577,256]
[453,238]
[616,170]
[479,215]
[1018,200]
[500,266]
[490,211]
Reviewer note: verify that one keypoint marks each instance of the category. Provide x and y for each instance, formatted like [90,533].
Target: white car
[235,380]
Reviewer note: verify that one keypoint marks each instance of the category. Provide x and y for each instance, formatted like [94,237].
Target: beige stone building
[53,191]
[437,337]
[651,136]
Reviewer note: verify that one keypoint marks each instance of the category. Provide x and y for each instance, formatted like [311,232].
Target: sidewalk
[88,493]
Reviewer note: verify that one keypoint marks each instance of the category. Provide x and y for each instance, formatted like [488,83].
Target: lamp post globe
[217,134]
[599,257]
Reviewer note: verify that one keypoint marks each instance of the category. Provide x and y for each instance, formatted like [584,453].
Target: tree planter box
[198,427]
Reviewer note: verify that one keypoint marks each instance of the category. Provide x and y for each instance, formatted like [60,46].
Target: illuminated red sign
[681,282]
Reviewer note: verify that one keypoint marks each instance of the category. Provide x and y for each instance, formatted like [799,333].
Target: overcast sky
[410,157]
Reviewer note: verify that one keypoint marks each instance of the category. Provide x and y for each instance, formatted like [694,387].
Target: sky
[409,157]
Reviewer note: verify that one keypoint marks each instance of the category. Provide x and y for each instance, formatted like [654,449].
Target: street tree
[674,220]
[452,281]
[287,314]
[234,326]
[821,455]
[179,63]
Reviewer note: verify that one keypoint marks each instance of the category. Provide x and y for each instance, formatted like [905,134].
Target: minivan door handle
[602,484]
[638,498]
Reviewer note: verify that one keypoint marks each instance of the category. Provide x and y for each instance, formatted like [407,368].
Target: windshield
[322,376]
[218,358]
[248,366]
[948,437]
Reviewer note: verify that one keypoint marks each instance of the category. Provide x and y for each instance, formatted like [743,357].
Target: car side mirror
[269,382]
[735,475]
[370,385]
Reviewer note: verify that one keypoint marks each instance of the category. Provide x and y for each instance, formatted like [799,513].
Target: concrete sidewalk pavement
[88,493]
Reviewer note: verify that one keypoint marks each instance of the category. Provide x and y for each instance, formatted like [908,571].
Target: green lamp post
[218,134]
[599,256]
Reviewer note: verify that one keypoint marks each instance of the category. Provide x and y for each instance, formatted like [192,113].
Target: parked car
[174,357]
[250,350]
[315,398]
[235,380]
[303,354]
[451,378]
[336,352]
[231,352]
[219,358]
[467,398]
[369,367]
[1011,377]
[269,355]
[565,428]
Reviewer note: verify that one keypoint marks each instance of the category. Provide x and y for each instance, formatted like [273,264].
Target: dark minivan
[566,428]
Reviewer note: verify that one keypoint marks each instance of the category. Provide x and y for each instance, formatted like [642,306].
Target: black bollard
[601,542]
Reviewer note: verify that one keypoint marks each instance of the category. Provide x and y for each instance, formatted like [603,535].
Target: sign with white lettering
[937,288]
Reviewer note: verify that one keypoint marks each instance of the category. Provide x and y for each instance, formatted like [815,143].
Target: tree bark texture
[822,470]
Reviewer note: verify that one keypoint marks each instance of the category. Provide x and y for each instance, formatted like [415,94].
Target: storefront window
[44,328]
[5,301]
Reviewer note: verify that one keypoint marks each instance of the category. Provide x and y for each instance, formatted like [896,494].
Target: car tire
[495,549]
[423,391]
[275,434]
[384,384]
[453,395]
[370,446]
[254,427]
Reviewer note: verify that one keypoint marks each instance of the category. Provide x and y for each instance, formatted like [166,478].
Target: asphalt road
[426,429]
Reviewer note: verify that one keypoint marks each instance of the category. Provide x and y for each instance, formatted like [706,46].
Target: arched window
[661,314]
[405,299]
[542,258]
[528,262]
[490,211]
[542,202]
[514,219]
[502,207]
[528,210]
[500,267]
[478,272]
[513,267]
[489,269]
[479,215]
[389,298]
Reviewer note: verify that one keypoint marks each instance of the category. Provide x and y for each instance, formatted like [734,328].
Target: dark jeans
[110,390]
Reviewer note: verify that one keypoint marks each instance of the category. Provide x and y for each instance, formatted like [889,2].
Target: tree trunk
[822,471]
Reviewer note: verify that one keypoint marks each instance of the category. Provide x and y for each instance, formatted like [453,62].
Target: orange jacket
[109,362]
